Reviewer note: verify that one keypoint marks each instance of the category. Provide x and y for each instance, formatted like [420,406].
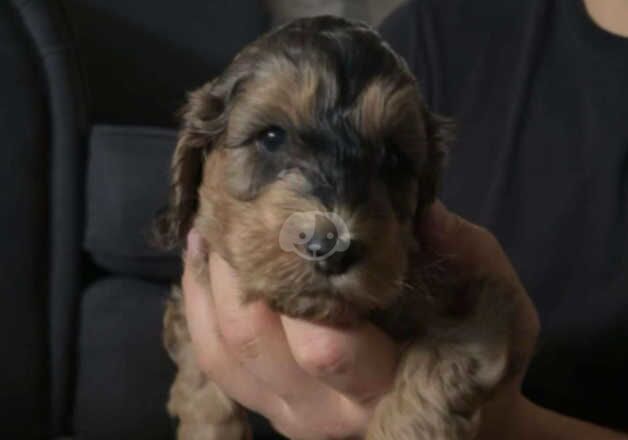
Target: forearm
[543,424]
[521,419]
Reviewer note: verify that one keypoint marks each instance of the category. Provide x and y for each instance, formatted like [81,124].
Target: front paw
[446,376]
[435,397]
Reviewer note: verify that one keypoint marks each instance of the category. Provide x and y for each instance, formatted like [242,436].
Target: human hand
[314,381]
[311,381]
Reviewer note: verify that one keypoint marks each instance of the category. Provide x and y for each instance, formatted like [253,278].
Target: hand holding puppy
[314,381]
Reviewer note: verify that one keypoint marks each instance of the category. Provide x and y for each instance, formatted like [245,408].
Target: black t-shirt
[540,96]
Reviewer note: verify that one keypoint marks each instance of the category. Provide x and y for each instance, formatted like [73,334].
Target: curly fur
[360,143]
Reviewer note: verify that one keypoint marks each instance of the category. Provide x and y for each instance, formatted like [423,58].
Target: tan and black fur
[358,141]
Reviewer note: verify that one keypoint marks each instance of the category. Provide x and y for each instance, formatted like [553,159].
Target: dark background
[88,95]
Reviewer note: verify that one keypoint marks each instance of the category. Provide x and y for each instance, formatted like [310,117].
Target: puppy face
[305,165]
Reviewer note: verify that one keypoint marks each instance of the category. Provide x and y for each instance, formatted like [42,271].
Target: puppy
[307,165]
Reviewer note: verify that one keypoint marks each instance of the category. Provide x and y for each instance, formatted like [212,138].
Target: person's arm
[530,421]
[314,381]
[545,424]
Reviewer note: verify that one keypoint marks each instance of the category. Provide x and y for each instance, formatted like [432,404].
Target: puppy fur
[356,140]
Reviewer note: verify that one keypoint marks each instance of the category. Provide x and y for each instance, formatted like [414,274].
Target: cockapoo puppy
[307,165]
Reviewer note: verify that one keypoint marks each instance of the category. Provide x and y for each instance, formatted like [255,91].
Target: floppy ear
[203,121]
[439,133]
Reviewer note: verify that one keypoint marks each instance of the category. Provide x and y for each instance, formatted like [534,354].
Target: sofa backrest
[102,83]
[24,156]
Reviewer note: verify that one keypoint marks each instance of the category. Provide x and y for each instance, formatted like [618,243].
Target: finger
[254,335]
[359,362]
[209,348]
[463,243]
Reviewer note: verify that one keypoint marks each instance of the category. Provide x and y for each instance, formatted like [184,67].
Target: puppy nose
[321,243]
[340,261]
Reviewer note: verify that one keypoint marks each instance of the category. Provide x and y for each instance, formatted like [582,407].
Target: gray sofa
[89,91]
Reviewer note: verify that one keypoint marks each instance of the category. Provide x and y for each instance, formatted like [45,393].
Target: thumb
[469,247]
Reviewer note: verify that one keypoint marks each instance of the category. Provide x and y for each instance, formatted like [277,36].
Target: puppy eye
[391,159]
[271,139]
[395,165]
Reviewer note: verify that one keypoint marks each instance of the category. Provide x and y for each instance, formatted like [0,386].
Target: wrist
[505,417]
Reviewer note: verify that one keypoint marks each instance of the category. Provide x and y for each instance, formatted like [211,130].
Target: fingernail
[439,220]
[195,244]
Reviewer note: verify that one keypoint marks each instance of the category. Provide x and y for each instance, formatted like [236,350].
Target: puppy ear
[439,133]
[203,121]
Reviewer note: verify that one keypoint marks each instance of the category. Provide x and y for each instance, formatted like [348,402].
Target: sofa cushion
[124,374]
[123,371]
[24,383]
[127,186]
